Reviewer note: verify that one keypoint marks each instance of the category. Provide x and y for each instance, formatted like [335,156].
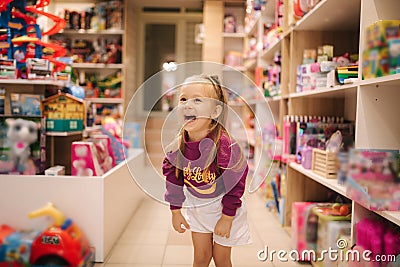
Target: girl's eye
[197,100]
[182,99]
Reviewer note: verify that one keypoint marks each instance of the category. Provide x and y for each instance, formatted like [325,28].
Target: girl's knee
[202,257]
[222,256]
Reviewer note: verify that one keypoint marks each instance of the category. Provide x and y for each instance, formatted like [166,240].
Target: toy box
[104,151]
[301,227]
[383,31]
[394,55]
[329,234]
[25,104]
[378,237]
[84,160]
[375,62]
[333,220]
[131,133]
[55,171]
[37,68]
[8,69]
[372,179]
[117,146]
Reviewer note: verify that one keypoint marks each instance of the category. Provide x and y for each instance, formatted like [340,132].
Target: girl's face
[197,107]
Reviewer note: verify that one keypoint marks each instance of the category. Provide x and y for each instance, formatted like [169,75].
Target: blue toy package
[25,104]
[117,146]
[132,134]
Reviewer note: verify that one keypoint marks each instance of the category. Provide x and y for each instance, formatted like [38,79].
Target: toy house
[63,113]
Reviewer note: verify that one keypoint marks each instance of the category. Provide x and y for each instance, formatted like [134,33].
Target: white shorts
[202,216]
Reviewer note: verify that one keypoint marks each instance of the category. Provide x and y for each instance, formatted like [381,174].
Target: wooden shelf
[63,134]
[331,15]
[254,26]
[105,100]
[329,183]
[269,53]
[250,64]
[93,32]
[389,80]
[234,35]
[337,91]
[274,98]
[97,66]
[236,68]
[393,216]
[32,82]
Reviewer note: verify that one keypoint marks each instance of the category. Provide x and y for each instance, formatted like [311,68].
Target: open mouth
[190,117]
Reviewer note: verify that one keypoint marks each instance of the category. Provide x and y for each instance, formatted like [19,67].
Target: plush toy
[21,134]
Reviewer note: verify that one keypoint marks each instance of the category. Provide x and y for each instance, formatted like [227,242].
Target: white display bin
[101,206]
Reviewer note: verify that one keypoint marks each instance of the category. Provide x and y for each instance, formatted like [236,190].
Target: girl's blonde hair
[217,124]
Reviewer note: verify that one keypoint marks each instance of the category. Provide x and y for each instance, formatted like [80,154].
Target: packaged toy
[55,171]
[84,160]
[25,104]
[105,154]
[229,24]
[8,69]
[380,238]
[37,68]
[372,178]
[300,230]
[131,134]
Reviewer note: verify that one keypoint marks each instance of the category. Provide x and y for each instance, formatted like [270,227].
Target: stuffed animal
[21,134]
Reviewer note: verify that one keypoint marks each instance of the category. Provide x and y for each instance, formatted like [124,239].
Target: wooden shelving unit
[372,104]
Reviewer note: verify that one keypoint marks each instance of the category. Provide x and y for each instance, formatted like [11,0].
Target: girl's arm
[174,186]
[234,172]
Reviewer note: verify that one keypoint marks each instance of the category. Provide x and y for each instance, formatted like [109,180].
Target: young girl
[214,170]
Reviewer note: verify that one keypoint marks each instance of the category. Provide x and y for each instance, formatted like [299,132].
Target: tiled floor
[149,241]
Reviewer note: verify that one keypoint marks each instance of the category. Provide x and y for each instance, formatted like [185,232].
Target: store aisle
[149,241]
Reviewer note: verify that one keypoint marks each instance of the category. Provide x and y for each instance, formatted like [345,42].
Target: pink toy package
[378,237]
[105,155]
[84,160]
[372,179]
[299,227]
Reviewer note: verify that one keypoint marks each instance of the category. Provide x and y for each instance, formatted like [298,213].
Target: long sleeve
[174,186]
[233,165]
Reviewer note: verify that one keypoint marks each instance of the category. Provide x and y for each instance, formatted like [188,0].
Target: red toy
[61,244]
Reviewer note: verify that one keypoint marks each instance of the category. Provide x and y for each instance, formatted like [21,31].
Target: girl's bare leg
[203,249]
[222,255]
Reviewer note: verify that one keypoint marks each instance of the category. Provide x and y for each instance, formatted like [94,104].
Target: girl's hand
[223,226]
[178,220]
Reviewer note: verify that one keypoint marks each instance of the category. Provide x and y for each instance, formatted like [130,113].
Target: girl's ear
[217,112]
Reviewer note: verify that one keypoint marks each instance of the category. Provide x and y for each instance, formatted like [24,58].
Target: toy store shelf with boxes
[97,66]
[233,37]
[106,202]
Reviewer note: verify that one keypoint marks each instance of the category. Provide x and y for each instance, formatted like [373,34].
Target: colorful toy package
[84,160]
[378,237]
[300,236]
[372,178]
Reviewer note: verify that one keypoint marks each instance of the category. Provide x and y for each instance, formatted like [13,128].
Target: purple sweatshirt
[228,177]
